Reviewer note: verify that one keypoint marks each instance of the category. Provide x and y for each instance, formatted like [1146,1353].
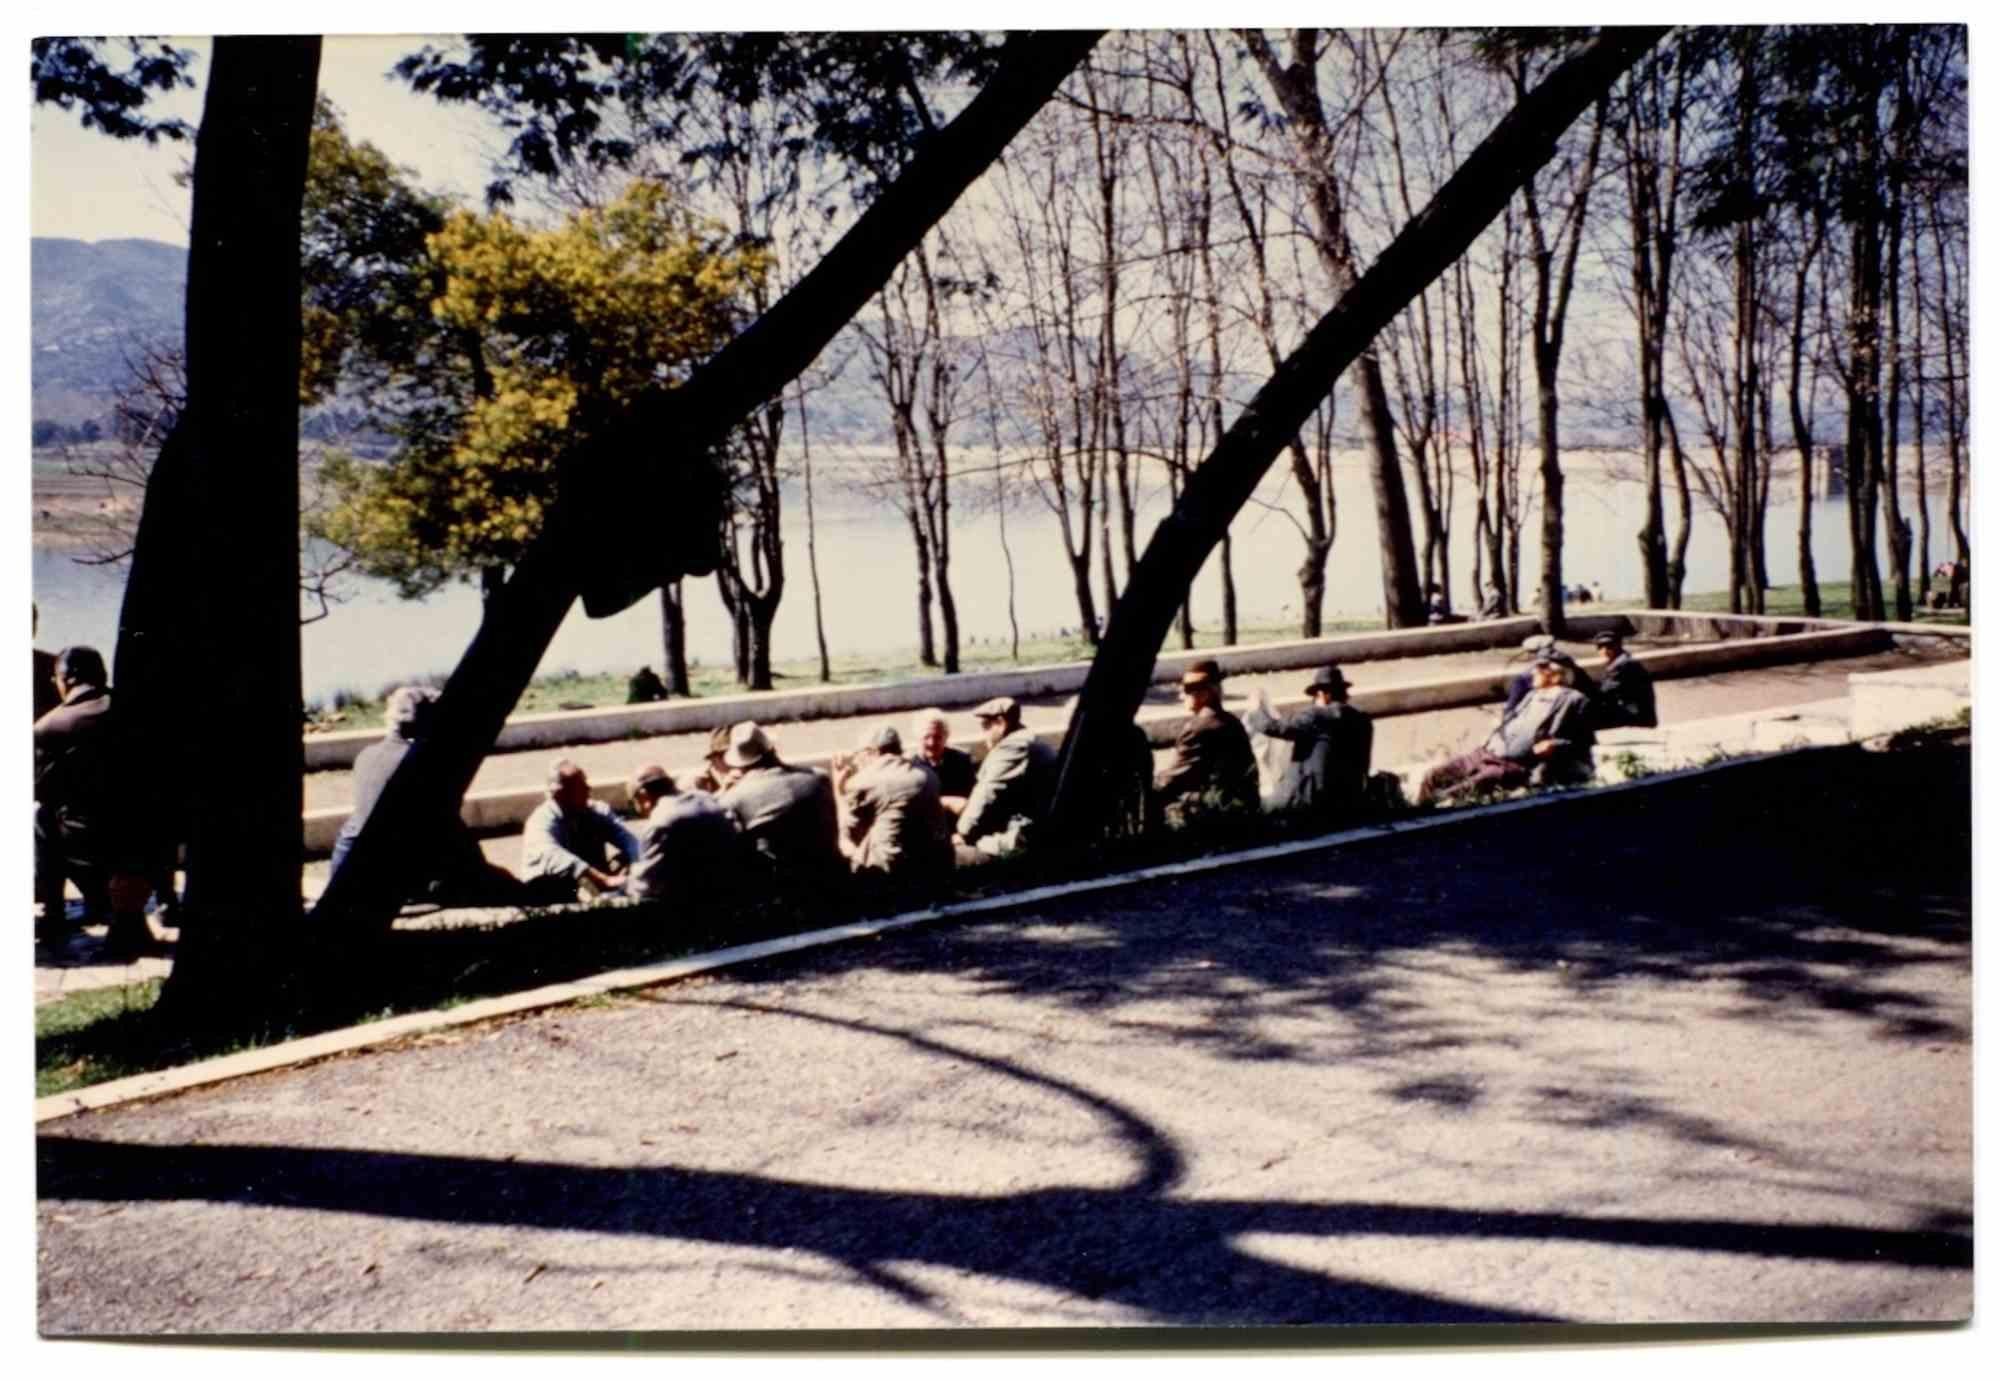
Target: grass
[568,690]
[70,1045]
[1836,600]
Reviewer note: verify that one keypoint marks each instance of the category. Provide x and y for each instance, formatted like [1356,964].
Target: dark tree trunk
[208,650]
[673,636]
[1101,723]
[618,544]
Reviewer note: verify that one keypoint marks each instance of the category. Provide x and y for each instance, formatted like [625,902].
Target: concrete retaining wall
[1885,701]
[565,728]
[503,810]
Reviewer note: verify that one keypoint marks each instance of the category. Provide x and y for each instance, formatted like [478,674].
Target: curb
[288,1054]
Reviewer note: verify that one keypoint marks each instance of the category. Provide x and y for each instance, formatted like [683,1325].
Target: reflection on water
[867,571]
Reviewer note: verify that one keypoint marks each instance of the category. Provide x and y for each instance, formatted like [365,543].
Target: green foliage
[562,328]
[71,72]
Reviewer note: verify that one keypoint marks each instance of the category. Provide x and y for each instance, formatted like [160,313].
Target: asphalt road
[1700,1052]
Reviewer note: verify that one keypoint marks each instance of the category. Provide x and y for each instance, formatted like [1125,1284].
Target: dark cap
[999,707]
[1329,680]
[653,778]
[1554,657]
[1609,639]
[1202,673]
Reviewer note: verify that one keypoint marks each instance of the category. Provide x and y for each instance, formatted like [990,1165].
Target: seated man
[1331,745]
[573,846]
[1546,738]
[448,866]
[1212,768]
[895,824]
[1624,696]
[954,766]
[687,841]
[82,826]
[1016,781]
[644,687]
[786,813]
[1538,646]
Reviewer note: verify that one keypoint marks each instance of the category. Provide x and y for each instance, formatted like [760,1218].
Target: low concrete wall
[565,728]
[502,810]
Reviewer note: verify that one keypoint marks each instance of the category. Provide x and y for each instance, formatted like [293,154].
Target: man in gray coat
[1331,741]
[573,845]
[687,842]
[1016,780]
[786,813]
[1545,739]
[895,824]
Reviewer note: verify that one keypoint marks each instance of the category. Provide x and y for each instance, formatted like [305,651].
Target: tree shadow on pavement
[1144,1244]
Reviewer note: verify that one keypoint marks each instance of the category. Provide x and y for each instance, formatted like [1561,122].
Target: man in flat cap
[688,843]
[1212,768]
[1545,739]
[1624,696]
[1331,744]
[892,821]
[1016,780]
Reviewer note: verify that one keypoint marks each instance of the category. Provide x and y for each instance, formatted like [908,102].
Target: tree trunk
[812,546]
[612,549]
[673,636]
[1100,726]
[231,554]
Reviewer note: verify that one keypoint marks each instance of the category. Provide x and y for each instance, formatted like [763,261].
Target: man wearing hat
[893,822]
[687,841]
[1545,739]
[1538,646]
[1624,697]
[1212,767]
[1331,744]
[1016,780]
[786,813]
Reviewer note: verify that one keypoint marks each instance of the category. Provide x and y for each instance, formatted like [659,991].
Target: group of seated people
[1550,722]
[750,821]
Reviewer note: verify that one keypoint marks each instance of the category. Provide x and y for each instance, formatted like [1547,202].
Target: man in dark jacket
[1546,738]
[1016,780]
[1212,768]
[956,771]
[1331,745]
[1624,696]
[80,834]
[786,813]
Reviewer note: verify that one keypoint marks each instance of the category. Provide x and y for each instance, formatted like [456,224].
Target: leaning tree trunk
[1100,726]
[619,528]
[213,666]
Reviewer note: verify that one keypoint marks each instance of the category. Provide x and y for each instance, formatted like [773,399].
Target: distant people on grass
[1546,739]
[82,833]
[1495,605]
[645,687]
[1212,770]
[955,769]
[1011,794]
[574,846]
[443,863]
[1328,745]
[688,844]
[1624,697]
[787,814]
[893,822]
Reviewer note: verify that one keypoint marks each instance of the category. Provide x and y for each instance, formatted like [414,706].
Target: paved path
[1697,1052]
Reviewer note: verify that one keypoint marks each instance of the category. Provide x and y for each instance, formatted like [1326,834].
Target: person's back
[898,825]
[1625,696]
[687,849]
[1212,759]
[1338,742]
[787,817]
[73,757]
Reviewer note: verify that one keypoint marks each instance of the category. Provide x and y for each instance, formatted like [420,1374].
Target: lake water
[867,569]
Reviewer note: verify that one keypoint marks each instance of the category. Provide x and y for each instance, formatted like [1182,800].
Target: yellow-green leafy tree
[552,331]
